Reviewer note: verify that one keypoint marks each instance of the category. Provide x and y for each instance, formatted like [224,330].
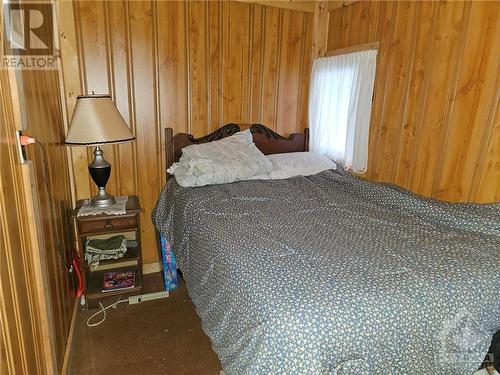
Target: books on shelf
[118,280]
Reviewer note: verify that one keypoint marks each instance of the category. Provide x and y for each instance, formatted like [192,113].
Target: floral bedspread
[329,274]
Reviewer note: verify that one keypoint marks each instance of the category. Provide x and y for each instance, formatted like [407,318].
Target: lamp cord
[103,311]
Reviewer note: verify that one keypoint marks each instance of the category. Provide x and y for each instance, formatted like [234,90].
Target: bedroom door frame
[27,330]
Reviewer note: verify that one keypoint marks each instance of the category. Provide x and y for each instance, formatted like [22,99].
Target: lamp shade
[96,121]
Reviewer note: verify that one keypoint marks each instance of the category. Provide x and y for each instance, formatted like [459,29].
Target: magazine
[118,280]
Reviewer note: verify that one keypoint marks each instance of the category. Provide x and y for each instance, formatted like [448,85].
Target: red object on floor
[76,266]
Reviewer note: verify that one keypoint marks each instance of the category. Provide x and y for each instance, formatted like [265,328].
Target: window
[340,102]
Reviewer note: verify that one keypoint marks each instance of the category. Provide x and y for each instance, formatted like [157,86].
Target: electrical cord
[103,311]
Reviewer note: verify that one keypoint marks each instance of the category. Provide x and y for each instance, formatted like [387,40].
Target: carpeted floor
[154,337]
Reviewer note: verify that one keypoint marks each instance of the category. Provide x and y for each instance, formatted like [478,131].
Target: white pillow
[293,164]
[230,159]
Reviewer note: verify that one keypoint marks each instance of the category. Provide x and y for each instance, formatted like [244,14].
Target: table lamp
[96,121]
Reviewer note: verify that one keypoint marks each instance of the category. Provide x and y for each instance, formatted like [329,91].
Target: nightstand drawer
[105,225]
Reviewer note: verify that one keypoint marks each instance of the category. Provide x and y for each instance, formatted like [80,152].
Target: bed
[330,274]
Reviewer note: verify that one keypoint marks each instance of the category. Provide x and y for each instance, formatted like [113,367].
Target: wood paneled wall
[36,291]
[192,66]
[435,125]
[20,331]
[40,94]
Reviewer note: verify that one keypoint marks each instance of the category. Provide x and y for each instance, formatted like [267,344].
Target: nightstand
[103,226]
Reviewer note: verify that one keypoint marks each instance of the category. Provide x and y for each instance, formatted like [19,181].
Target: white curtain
[340,102]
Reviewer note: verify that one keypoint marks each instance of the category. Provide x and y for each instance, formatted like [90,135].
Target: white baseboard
[151,268]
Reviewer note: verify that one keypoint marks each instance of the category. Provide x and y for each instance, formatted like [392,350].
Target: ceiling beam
[298,5]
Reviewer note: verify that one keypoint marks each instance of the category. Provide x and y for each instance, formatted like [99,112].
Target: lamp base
[102,199]
[100,170]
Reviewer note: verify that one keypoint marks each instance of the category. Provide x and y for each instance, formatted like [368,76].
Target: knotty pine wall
[435,125]
[192,66]
[36,289]
[43,115]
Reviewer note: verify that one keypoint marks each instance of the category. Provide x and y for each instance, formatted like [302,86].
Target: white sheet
[293,164]
[230,159]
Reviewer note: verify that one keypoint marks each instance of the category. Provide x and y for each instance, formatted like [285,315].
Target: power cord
[103,311]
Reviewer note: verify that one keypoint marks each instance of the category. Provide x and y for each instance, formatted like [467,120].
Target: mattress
[329,274]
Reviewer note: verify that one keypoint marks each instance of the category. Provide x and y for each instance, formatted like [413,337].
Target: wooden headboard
[266,140]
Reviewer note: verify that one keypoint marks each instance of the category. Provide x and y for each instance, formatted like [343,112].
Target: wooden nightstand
[105,226]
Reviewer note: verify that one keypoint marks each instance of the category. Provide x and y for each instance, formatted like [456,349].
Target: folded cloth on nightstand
[109,248]
[119,208]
